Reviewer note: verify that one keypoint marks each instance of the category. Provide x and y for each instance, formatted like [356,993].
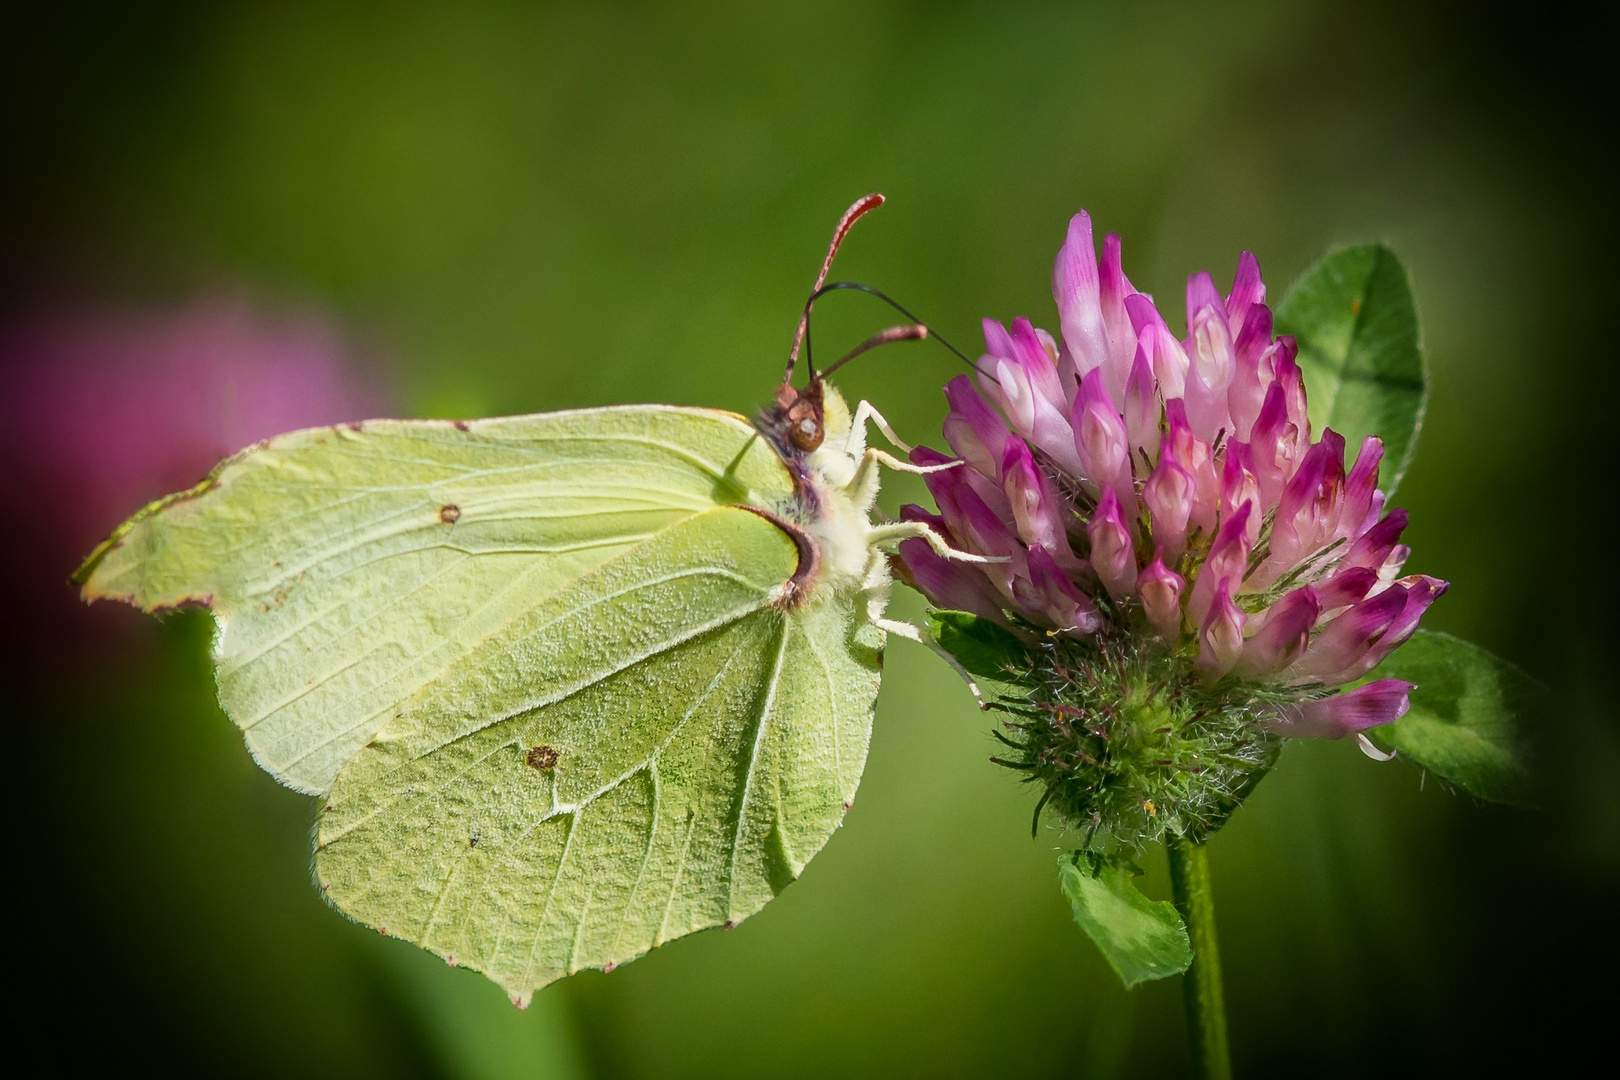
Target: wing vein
[763,722]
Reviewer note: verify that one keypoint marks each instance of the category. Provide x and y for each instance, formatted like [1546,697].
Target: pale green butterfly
[570,685]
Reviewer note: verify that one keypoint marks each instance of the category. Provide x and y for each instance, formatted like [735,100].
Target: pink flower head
[1140,482]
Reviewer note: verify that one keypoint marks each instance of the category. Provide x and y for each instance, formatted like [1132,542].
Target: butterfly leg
[863,485]
[882,458]
[912,633]
[907,530]
[865,411]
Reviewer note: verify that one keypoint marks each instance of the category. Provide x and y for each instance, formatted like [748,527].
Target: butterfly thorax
[811,431]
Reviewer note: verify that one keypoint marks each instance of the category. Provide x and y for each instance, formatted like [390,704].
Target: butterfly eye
[806,433]
[801,416]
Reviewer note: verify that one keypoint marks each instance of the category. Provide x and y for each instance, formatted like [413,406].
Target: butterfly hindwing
[655,749]
[350,566]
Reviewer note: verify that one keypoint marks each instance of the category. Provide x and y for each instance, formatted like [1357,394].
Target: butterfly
[568,685]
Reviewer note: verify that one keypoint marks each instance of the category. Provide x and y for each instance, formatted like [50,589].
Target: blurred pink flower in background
[107,409]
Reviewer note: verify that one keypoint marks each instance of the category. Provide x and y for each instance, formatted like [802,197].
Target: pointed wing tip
[83,576]
[90,590]
[80,578]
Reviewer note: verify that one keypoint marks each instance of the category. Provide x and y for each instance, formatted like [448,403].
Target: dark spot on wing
[462,425]
[543,758]
[449,513]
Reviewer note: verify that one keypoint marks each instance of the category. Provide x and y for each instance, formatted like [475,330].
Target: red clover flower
[1189,575]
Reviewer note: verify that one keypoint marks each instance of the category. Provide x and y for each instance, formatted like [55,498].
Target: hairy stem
[1201,986]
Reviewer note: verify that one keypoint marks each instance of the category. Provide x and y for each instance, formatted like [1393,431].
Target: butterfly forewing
[348,567]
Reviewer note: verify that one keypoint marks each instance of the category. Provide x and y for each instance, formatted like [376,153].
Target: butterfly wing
[655,749]
[537,664]
[348,567]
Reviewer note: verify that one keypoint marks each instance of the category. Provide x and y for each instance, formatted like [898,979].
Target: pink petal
[951,585]
[1160,590]
[1308,511]
[1272,446]
[1065,606]
[1228,560]
[1256,370]
[1163,351]
[1193,455]
[1169,497]
[1344,714]
[981,530]
[1035,505]
[1041,365]
[1347,638]
[973,429]
[1420,591]
[1075,288]
[1247,290]
[1101,442]
[1025,400]
[988,490]
[1360,489]
[1375,545]
[1239,486]
[1220,638]
[1201,294]
[1113,556]
[1345,587]
[1209,343]
[1283,638]
[1114,288]
[1142,410]
[1293,384]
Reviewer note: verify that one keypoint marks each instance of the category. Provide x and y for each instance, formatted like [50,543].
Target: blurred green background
[512,207]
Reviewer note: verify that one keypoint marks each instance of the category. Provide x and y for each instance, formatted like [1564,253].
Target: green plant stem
[1201,985]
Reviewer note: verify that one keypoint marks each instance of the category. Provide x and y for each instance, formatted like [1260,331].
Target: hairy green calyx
[1125,741]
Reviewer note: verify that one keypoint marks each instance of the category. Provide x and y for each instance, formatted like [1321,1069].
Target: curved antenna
[914,332]
[872,342]
[856,211]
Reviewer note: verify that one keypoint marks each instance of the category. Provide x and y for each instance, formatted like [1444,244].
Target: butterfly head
[802,418]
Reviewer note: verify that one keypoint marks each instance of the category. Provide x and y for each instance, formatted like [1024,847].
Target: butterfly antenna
[914,332]
[851,216]
[879,339]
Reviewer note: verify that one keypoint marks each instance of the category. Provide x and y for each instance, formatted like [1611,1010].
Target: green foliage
[1357,326]
[1141,939]
[537,666]
[1464,722]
